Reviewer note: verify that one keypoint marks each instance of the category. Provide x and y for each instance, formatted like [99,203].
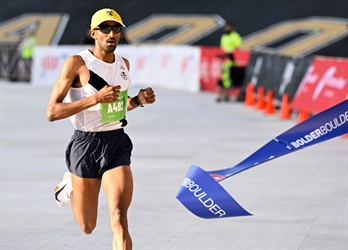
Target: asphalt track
[299,201]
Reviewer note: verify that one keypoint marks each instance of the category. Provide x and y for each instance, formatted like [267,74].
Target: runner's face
[108,35]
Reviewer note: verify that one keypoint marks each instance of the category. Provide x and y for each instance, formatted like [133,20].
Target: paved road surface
[299,201]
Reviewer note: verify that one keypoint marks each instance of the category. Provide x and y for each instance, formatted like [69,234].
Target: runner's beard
[110,49]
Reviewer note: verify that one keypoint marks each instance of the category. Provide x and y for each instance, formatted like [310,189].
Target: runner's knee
[87,228]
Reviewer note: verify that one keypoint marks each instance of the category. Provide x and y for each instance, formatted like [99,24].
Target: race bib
[115,111]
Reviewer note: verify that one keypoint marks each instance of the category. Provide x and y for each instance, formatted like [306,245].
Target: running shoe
[63,190]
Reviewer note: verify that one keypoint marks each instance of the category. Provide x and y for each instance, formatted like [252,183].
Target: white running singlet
[116,73]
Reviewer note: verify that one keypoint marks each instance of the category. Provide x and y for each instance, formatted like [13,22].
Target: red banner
[211,65]
[210,68]
[324,85]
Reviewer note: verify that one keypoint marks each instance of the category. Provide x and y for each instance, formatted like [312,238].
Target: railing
[11,66]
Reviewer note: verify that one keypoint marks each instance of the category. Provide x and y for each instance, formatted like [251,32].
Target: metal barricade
[9,61]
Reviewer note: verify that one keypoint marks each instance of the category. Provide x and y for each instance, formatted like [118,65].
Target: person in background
[92,90]
[224,84]
[230,39]
[229,42]
[26,50]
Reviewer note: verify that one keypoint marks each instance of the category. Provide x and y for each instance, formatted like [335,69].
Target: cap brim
[111,20]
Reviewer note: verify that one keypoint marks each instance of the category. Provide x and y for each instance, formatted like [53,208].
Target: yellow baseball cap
[104,15]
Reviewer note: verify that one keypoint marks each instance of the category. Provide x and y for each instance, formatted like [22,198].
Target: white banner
[170,67]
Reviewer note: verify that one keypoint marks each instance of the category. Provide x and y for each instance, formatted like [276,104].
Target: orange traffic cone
[260,98]
[249,95]
[270,108]
[285,110]
[302,116]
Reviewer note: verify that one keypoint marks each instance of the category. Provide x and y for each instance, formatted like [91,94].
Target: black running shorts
[90,154]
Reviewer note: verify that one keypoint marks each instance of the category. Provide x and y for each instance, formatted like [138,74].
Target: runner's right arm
[74,69]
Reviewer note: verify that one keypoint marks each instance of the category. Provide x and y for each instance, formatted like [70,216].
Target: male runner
[94,85]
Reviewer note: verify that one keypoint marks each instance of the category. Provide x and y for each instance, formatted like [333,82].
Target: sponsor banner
[171,67]
[210,67]
[242,57]
[179,67]
[48,61]
[280,74]
[195,193]
[324,85]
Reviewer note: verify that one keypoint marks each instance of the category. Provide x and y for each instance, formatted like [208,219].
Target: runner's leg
[118,186]
[84,201]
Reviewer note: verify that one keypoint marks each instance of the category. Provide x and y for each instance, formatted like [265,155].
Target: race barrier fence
[312,84]
[280,74]
[171,67]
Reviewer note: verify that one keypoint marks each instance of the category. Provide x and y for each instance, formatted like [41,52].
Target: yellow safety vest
[28,46]
[229,42]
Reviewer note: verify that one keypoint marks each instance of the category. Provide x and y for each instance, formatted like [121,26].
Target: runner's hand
[146,96]
[108,94]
